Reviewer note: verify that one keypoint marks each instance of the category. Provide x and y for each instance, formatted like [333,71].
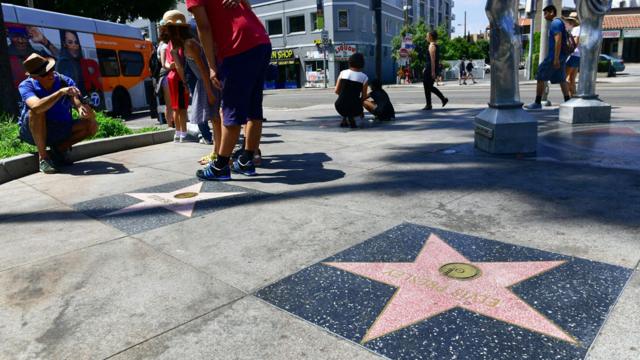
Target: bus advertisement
[108,61]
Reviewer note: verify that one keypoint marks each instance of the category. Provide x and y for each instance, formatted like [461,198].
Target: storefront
[611,42]
[288,74]
[631,45]
[621,34]
[314,69]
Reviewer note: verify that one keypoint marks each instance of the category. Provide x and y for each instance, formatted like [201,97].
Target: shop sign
[611,34]
[632,33]
[314,55]
[283,57]
[343,51]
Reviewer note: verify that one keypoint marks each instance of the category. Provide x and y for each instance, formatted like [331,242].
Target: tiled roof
[613,22]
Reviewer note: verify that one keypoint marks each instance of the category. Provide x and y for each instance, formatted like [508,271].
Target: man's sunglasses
[45,73]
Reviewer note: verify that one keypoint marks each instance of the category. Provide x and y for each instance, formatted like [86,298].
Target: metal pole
[465,23]
[544,47]
[326,72]
[378,17]
[532,30]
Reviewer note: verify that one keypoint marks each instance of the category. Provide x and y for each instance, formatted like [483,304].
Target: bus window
[131,63]
[108,63]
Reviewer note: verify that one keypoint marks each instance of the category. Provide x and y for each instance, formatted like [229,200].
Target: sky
[476,18]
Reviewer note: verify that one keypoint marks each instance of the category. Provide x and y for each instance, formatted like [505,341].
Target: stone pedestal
[585,110]
[506,131]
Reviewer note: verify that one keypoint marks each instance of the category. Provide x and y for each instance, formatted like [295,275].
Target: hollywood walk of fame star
[441,279]
[181,201]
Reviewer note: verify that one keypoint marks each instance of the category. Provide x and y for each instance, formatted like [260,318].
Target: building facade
[349,26]
[622,33]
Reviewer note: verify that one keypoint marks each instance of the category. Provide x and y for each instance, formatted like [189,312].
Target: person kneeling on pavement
[46,115]
[378,102]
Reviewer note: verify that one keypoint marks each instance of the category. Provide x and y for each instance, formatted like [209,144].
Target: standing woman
[164,81]
[177,25]
[573,63]
[431,70]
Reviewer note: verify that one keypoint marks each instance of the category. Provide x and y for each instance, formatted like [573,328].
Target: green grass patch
[11,145]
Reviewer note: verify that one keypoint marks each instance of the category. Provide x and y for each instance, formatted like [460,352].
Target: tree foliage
[451,49]
[111,10]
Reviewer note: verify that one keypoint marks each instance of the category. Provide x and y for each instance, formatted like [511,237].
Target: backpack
[568,43]
[154,66]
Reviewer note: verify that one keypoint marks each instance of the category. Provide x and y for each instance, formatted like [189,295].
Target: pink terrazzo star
[183,206]
[423,291]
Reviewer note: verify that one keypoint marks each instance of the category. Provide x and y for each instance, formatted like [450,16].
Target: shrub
[110,127]
[10,144]
[535,59]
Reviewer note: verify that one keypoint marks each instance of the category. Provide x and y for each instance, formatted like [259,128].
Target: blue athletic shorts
[242,78]
[546,72]
[57,131]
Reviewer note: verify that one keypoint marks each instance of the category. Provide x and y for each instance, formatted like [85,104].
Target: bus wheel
[121,103]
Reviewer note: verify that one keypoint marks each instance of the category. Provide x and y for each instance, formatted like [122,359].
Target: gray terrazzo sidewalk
[78,282]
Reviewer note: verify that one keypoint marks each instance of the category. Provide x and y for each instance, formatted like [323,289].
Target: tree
[111,10]
[7,91]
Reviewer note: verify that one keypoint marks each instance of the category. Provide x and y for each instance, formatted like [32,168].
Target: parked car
[487,68]
[617,64]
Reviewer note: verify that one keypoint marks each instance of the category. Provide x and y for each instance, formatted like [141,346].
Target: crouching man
[46,117]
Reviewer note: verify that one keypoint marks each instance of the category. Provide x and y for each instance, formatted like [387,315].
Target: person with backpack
[573,63]
[470,72]
[163,83]
[462,79]
[46,118]
[554,65]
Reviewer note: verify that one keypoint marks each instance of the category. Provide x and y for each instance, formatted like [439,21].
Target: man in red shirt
[238,50]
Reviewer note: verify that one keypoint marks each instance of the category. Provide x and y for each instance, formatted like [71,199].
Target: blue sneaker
[533,106]
[248,169]
[211,173]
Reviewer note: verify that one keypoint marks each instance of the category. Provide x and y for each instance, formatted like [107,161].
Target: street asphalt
[396,240]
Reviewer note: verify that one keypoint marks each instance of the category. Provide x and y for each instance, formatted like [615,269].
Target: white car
[487,68]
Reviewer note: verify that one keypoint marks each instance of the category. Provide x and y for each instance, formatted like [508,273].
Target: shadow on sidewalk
[87,168]
[296,169]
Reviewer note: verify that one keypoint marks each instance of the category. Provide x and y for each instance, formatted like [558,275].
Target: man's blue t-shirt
[556,27]
[61,110]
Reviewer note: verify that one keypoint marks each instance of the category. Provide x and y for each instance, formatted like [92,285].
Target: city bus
[108,61]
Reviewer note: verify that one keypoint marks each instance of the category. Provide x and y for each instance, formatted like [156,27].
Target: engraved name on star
[181,201]
[441,279]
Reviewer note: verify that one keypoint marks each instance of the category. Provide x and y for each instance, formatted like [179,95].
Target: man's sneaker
[248,169]
[211,173]
[533,106]
[47,167]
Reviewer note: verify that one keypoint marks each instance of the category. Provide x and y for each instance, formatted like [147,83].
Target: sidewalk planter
[26,164]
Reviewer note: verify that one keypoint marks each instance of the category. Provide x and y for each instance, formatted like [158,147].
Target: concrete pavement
[241,276]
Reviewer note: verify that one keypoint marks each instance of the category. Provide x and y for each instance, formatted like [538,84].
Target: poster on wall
[70,50]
